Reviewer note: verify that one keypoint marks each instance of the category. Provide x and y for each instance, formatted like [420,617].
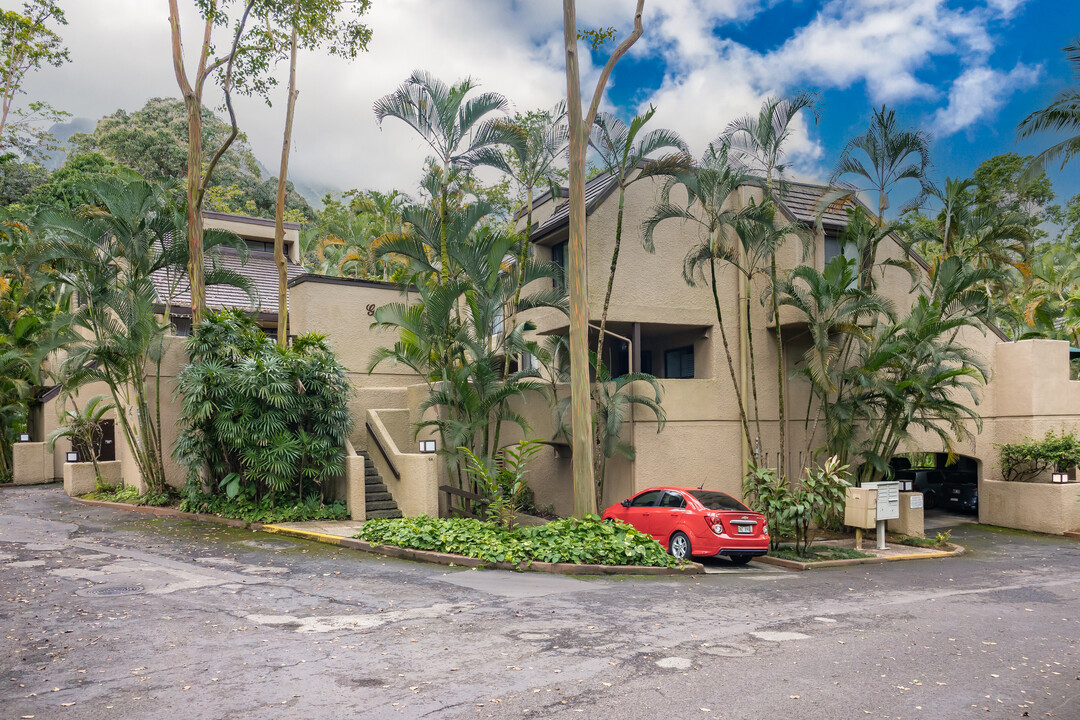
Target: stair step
[370,470]
[374,497]
[374,487]
[381,505]
[371,515]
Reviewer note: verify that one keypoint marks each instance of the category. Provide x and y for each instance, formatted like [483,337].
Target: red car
[691,521]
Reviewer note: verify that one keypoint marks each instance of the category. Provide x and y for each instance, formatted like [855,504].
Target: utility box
[910,521]
[860,507]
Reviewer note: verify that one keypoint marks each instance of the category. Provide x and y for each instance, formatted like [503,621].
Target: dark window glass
[713,500]
[672,500]
[181,326]
[679,363]
[646,361]
[559,254]
[647,499]
[832,247]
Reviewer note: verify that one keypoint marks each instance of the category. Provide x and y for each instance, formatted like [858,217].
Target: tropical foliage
[262,421]
[586,541]
[109,254]
[1028,459]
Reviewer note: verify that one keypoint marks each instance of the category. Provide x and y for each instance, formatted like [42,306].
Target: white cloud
[979,92]
[121,56]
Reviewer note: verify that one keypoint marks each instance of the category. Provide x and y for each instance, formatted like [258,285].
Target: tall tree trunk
[279,210]
[580,400]
[782,418]
[727,352]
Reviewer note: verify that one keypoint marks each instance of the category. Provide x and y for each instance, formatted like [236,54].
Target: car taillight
[715,523]
[764,529]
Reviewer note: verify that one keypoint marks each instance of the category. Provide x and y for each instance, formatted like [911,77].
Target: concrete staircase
[379,503]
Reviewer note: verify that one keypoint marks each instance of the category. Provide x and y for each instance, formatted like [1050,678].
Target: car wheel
[679,546]
[739,559]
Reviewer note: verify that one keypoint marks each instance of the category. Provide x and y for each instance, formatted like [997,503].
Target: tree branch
[621,50]
[226,86]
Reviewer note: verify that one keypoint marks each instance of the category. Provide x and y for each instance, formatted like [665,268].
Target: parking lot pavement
[109,615]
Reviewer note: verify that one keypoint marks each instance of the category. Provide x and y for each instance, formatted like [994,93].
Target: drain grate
[110,590]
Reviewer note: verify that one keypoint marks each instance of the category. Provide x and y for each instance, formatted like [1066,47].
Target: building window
[679,363]
[836,246]
[181,326]
[559,255]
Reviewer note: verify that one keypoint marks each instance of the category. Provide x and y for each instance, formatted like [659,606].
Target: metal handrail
[386,455]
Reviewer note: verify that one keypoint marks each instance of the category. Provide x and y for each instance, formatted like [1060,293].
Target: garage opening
[950,486]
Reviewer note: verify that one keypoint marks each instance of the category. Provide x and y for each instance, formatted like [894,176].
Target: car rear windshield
[718,500]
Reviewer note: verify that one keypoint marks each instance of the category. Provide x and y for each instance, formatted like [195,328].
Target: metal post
[880,534]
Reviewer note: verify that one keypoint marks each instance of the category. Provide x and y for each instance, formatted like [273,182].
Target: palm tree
[449,334]
[890,155]
[835,309]
[622,153]
[534,144]
[110,253]
[759,143]
[707,188]
[1063,114]
[452,125]
[758,237]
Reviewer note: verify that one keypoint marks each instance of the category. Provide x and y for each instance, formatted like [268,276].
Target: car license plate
[745,529]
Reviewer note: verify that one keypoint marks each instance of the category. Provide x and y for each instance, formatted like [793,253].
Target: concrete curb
[404,553]
[1074,534]
[796,565]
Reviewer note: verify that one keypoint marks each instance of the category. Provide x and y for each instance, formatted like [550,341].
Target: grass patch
[586,542]
[941,540]
[820,554]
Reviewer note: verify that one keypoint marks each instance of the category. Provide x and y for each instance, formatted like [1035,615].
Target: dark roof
[595,191]
[260,268]
[802,200]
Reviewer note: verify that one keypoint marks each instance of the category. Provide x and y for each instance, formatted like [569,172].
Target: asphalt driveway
[108,614]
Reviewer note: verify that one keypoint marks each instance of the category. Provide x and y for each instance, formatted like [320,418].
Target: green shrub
[276,509]
[502,478]
[128,495]
[264,421]
[586,541]
[1025,461]
[813,502]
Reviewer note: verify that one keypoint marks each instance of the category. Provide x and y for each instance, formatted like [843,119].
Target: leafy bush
[767,493]
[1025,461]
[271,509]
[586,541]
[262,420]
[813,502]
[502,480]
[939,541]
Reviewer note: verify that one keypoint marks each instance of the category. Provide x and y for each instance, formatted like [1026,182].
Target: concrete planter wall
[32,464]
[1039,507]
[80,478]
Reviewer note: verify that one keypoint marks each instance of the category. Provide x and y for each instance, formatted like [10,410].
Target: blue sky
[965,70]
[1024,44]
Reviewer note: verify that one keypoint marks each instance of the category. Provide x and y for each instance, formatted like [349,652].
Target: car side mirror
[625,503]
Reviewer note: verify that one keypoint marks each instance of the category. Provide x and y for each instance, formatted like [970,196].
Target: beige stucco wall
[81,478]
[1039,507]
[256,229]
[31,463]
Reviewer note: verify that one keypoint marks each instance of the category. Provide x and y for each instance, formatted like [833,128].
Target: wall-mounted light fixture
[427,446]
[72,457]
[1061,477]
[24,438]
